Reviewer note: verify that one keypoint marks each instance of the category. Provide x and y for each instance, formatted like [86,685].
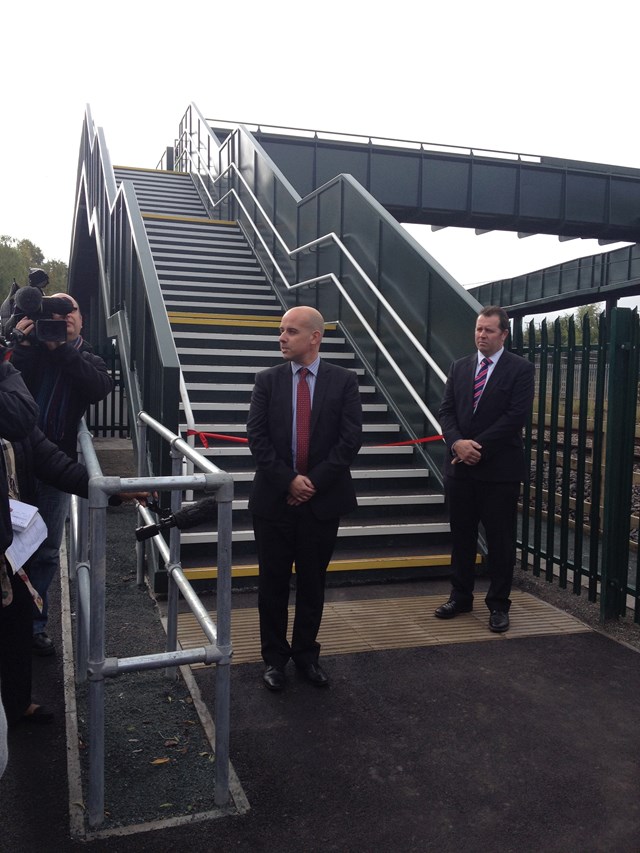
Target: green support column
[620,436]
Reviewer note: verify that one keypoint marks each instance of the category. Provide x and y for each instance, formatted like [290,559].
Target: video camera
[29,301]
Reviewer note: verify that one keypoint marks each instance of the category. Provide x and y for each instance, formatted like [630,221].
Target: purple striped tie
[480,381]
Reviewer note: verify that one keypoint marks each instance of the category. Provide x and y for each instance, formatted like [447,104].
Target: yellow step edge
[200,319]
[372,564]
[199,219]
[256,324]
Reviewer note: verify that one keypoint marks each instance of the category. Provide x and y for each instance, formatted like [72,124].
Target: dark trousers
[495,505]
[297,537]
[15,651]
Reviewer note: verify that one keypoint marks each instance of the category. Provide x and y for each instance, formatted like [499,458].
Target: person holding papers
[18,416]
[26,456]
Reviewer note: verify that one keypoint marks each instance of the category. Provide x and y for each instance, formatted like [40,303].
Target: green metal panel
[580,282]
[621,421]
[505,191]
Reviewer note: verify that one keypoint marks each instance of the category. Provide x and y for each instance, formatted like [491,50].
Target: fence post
[620,438]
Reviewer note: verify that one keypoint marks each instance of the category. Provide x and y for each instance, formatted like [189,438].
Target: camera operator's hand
[129,497]
[27,327]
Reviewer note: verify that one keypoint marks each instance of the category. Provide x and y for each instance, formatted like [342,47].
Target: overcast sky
[549,78]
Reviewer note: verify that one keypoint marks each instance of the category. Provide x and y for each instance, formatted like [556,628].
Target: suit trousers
[495,506]
[15,651]
[296,537]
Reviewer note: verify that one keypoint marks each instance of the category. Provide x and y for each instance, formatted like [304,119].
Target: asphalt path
[530,746]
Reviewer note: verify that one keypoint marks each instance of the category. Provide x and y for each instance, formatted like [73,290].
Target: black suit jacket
[335,438]
[497,422]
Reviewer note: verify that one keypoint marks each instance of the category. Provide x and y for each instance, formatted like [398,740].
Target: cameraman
[64,377]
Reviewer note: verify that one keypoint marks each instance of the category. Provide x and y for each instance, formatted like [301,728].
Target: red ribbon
[237,440]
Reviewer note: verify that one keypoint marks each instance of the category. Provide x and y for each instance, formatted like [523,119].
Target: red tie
[480,381]
[303,419]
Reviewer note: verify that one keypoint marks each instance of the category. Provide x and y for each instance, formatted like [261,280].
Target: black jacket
[336,435]
[84,373]
[497,422]
[18,416]
[35,455]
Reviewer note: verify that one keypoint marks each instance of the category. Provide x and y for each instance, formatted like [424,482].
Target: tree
[17,256]
[593,314]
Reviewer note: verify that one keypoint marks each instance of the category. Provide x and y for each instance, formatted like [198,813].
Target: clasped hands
[466,450]
[301,489]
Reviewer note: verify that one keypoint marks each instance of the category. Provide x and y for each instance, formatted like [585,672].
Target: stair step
[390,563]
[329,355]
[198,259]
[360,530]
[175,300]
[238,450]
[217,304]
[254,338]
[244,407]
[225,369]
[356,474]
[170,243]
[199,288]
[247,388]
[241,428]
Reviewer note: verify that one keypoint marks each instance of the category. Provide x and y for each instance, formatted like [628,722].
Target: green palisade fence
[579,524]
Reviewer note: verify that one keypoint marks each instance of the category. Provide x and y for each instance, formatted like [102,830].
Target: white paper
[25,542]
[21,514]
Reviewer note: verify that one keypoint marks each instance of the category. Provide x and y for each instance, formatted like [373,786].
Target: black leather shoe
[498,621]
[314,673]
[273,678]
[451,609]
[42,645]
[39,716]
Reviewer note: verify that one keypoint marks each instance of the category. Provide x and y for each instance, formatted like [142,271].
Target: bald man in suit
[483,412]
[297,503]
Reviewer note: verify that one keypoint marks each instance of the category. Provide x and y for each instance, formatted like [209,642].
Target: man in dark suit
[487,399]
[301,488]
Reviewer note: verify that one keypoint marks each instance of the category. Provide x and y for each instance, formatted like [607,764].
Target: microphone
[29,300]
[190,516]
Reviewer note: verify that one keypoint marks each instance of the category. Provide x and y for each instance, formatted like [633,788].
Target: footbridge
[189,266]
[452,186]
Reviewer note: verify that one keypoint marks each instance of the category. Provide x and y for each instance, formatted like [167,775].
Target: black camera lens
[51,331]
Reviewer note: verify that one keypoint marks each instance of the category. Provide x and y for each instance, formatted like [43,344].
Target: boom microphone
[190,516]
[29,300]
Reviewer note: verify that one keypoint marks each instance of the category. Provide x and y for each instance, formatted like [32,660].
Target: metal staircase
[224,316]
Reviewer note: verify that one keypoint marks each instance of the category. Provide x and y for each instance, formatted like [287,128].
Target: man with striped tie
[487,399]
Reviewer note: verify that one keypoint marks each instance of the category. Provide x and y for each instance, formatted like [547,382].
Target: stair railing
[88,566]
[210,182]
[135,316]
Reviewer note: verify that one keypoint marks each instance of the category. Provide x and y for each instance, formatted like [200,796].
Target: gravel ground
[624,630]
[158,761]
